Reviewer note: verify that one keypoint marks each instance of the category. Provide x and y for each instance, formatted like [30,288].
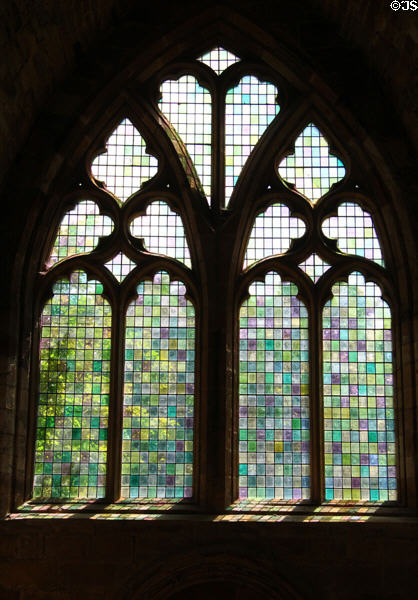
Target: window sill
[242,511]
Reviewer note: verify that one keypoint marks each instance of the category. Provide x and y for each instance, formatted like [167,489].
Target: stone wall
[147,560]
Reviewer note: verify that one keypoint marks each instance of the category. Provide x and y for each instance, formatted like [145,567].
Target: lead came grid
[272,233]
[188,107]
[354,230]
[120,266]
[158,413]
[162,231]
[250,107]
[314,267]
[80,231]
[219,59]
[274,446]
[72,419]
[312,169]
[359,429]
[126,165]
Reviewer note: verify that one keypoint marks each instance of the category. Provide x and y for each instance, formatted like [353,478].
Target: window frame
[221,471]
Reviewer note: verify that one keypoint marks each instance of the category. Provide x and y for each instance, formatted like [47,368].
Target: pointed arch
[216,237]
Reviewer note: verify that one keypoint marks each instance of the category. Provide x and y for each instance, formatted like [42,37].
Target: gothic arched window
[217,263]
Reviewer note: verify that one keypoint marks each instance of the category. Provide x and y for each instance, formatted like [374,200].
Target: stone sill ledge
[243,511]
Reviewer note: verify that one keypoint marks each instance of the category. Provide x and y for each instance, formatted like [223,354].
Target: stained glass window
[162,231]
[354,230]
[126,164]
[312,169]
[80,231]
[359,424]
[188,106]
[314,267]
[250,107]
[219,59]
[71,434]
[274,420]
[158,413]
[120,266]
[305,395]
[272,233]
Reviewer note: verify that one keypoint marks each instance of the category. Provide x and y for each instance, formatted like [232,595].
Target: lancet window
[197,214]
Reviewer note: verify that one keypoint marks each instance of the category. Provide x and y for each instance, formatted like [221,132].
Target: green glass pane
[162,231]
[274,421]
[125,165]
[360,451]
[79,231]
[312,169]
[73,400]
[158,413]
[250,107]
[272,233]
[354,230]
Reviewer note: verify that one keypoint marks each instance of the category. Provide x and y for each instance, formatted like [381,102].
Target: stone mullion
[217,353]
[316,412]
[217,357]
[114,447]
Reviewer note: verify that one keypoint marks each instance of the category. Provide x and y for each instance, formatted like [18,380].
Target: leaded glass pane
[314,267]
[72,419]
[359,423]
[273,231]
[274,422]
[312,169]
[188,107]
[250,108]
[162,231]
[158,412]
[126,164]
[79,231]
[354,230]
[120,266]
[218,59]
